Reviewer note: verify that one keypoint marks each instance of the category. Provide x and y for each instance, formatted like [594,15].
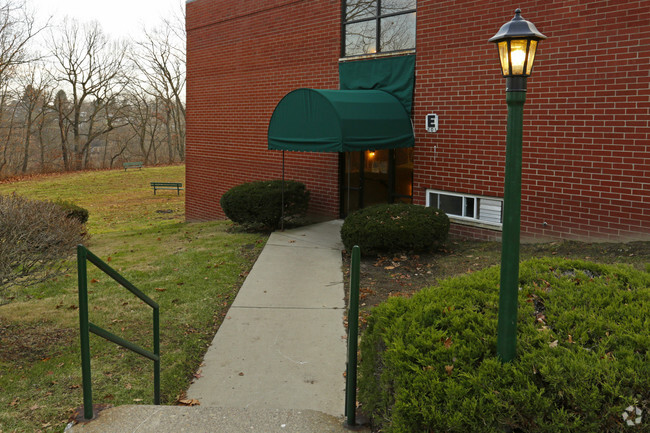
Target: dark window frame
[377,18]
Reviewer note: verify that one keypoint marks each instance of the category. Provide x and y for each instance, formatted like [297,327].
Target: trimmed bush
[73,211]
[259,204]
[395,227]
[429,364]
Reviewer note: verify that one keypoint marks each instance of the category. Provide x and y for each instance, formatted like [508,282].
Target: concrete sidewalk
[277,361]
[282,344]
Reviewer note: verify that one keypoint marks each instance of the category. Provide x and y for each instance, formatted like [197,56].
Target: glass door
[374,177]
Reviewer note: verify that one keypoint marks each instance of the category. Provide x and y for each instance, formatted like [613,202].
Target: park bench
[167,185]
[132,165]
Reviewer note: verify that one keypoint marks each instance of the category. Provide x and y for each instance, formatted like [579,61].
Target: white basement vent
[467,207]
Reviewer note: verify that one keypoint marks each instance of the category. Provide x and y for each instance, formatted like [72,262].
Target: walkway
[277,362]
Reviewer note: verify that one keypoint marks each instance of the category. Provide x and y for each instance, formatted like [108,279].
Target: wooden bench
[167,185]
[132,165]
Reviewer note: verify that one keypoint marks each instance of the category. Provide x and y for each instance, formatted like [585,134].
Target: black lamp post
[516,42]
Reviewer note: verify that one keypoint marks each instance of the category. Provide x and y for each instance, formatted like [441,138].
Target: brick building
[586,144]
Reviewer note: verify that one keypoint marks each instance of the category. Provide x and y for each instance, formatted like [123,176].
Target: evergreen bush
[395,227]
[428,363]
[259,204]
[73,211]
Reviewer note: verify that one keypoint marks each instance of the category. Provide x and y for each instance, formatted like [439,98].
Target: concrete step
[197,419]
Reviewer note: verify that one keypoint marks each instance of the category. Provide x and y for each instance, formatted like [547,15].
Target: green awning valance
[310,120]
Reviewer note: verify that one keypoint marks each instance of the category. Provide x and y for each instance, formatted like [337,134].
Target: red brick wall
[586,149]
[586,163]
[243,57]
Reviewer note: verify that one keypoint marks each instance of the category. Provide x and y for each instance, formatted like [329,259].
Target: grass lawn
[193,271]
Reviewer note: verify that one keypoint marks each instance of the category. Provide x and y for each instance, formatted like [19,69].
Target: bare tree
[62,108]
[32,104]
[160,58]
[91,68]
[42,123]
[17,29]
[9,126]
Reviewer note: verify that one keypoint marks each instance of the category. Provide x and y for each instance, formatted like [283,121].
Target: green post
[509,290]
[156,351]
[353,337]
[84,332]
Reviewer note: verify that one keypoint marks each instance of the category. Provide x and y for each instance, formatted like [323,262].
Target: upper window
[378,26]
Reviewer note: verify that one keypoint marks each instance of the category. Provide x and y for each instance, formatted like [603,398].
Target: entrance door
[374,177]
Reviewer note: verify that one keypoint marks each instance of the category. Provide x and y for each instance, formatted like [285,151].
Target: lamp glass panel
[503,57]
[518,55]
[531,57]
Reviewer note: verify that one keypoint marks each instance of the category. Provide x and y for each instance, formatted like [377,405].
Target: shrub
[259,204]
[73,211]
[395,227]
[429,364]
[35,239]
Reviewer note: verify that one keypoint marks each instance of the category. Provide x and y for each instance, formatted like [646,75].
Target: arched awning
[310,120]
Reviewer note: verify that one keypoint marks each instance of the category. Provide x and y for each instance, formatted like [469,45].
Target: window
[467,207]
[376,26]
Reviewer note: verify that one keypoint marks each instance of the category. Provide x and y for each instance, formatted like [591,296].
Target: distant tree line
[71,98]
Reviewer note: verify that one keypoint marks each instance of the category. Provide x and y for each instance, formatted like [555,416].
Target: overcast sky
[119,18]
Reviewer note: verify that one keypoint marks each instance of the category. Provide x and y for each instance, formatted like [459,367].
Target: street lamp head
[517,42]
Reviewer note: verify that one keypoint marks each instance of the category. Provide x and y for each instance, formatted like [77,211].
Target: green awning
[395,75]
[310,120]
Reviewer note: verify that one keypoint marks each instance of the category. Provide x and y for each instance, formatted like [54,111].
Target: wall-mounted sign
[432,122]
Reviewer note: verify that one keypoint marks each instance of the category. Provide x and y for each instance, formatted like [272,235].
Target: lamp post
[516,42]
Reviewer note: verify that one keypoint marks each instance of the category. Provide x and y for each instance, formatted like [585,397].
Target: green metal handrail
[353,338]
[83,255]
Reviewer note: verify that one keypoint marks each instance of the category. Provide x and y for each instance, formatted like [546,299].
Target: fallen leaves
[189,402]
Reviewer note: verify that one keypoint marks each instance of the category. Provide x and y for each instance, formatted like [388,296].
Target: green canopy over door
[310,120]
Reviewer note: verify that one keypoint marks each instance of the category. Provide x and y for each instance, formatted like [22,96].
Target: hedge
[397,227]
[259,204]
[428,363]
[73,211]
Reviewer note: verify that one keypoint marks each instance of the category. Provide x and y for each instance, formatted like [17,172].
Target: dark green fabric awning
[395,75]
[310,120]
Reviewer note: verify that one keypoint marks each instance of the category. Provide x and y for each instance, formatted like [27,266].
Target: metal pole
[353,336]
[156,350]
[282,212]
[84,332]
[509,289]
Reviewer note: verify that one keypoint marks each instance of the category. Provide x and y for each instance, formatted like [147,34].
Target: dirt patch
[22,343]
[404,274]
